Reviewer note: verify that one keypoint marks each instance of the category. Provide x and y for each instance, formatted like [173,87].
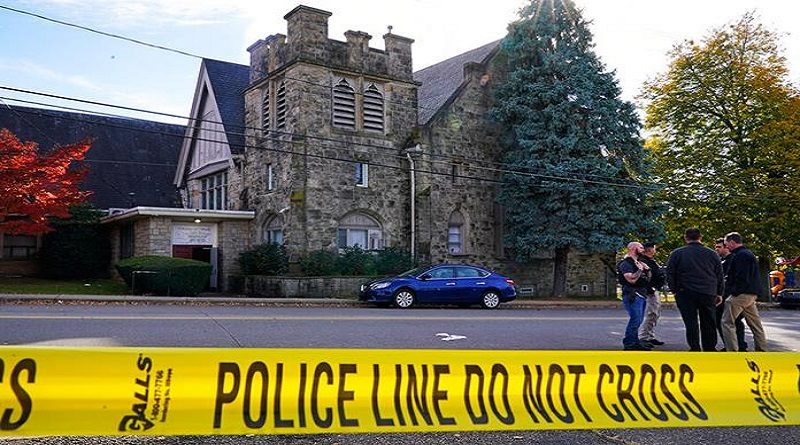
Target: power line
[351,161]
[136,41]
[96,31]
[320,138]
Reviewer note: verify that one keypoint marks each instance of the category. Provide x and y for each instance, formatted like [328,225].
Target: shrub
[319,263]
[171,276]
[355,261]
[264,259]
[392,261]
[78,248]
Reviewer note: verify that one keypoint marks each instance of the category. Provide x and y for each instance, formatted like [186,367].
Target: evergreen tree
[582,179]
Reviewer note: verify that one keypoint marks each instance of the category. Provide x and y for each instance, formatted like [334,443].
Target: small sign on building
[194,234]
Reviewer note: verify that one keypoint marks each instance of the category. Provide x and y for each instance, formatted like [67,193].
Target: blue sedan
[442,284]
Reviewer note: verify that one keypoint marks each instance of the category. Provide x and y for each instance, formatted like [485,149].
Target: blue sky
[632,37]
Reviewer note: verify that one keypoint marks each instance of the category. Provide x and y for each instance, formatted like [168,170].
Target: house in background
[131,163]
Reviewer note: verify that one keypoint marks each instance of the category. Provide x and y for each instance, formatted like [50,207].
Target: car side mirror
[425,276]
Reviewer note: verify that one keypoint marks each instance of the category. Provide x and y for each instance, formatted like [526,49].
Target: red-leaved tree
[35,186]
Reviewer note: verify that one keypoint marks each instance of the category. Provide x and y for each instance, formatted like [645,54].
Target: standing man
[634,276]
[652,309]
[725,256]
[694,274]
[742,284]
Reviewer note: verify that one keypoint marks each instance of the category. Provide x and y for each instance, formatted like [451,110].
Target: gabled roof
[127,155]
[228,81]
[440,81]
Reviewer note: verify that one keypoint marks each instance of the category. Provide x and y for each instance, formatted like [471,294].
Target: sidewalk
[302,302]
[321,302]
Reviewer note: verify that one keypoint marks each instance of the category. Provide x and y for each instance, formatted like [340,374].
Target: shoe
[646,345]
[722,350]
[654,341]
[636,347]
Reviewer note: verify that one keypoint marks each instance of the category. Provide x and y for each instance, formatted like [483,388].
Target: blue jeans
[635,307]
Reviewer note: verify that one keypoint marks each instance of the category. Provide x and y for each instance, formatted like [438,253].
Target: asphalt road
[285,327]
[327,327]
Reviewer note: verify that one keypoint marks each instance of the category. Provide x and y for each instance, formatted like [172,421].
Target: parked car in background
[459,284]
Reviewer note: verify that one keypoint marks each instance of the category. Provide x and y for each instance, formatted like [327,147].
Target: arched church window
[359,229]
[272,232]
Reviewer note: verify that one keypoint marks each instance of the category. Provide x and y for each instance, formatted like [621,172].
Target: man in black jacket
[743,285]
[694,274]
[725,256]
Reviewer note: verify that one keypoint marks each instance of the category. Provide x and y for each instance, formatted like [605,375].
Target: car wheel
[404,298]
[490,300]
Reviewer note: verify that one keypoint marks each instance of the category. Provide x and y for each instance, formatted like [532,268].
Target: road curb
[294,302]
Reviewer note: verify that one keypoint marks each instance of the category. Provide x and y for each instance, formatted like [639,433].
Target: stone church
[335,143]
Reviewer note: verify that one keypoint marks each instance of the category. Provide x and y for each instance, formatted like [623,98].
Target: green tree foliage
[583,181]
[725,125]
[79,246]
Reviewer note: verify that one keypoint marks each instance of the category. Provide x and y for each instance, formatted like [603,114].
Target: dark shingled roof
[440,81]
[138,156]
[228,81]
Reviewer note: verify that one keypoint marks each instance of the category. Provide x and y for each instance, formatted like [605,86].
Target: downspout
[413,207]
[410,153]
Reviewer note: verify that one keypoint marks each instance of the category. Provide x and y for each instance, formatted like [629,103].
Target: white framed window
[214,192]
[455,233]
[281,109]
[344,104]
[270,178]
[272,232]
[358,229]
[373,108]
[362,174]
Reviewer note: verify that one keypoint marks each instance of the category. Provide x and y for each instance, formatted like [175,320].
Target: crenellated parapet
[307,40]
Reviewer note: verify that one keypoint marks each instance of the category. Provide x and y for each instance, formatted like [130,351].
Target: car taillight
[510,281]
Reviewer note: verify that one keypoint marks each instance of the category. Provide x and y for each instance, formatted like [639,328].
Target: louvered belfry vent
[373,108]
[280,106]
[344,105]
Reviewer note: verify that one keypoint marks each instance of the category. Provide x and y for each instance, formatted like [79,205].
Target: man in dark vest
[694,274]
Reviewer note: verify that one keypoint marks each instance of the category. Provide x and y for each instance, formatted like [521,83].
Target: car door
[439,286]
[470,284]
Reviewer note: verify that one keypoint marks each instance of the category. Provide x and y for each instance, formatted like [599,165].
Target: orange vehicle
[783,285]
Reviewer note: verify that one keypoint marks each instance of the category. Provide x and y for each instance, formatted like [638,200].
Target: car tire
[404,298]
[490,300]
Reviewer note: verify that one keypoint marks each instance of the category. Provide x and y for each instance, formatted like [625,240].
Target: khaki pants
[651,313]
[734,306]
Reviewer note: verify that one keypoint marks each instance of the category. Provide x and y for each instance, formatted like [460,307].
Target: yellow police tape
[166,391]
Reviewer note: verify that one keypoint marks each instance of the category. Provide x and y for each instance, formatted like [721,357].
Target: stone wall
[232,239]
[153,236]
[303,287]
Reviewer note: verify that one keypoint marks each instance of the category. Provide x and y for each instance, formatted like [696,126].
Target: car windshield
[413,272]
